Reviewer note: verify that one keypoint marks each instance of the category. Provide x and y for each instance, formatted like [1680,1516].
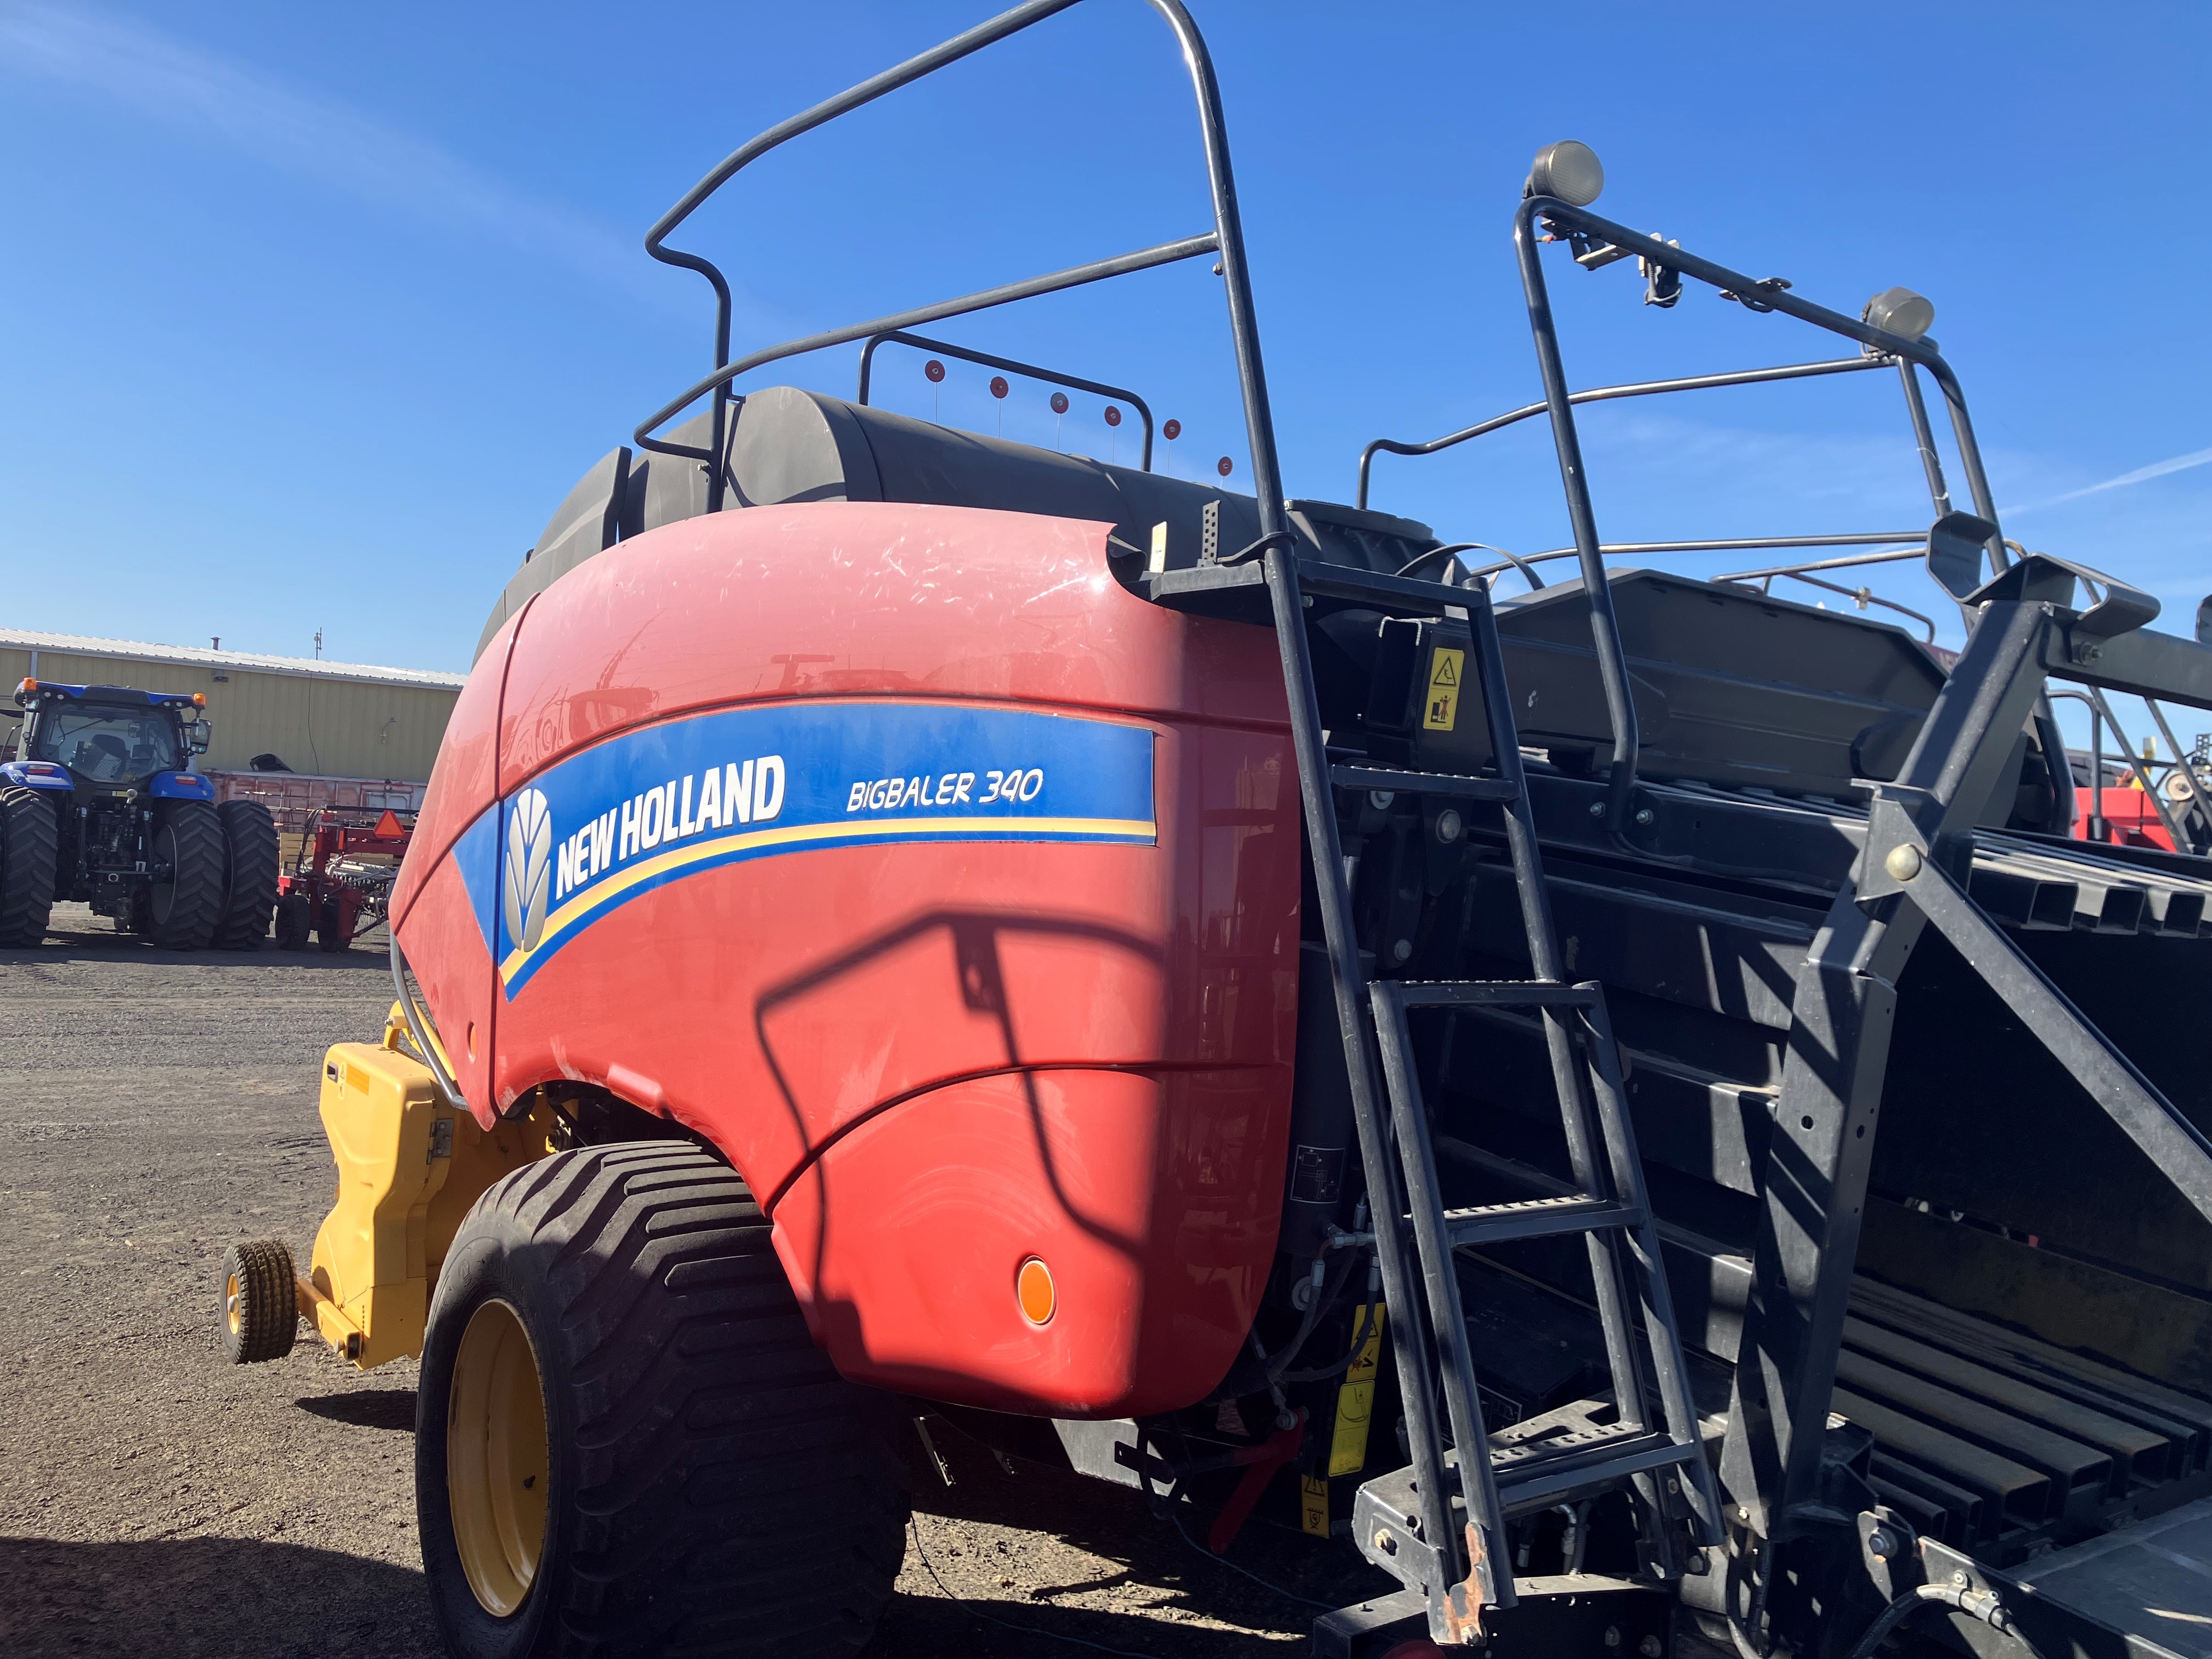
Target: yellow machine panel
[410,1166]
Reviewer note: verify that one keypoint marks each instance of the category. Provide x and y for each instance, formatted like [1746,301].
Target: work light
[1568,170]
[1900,312]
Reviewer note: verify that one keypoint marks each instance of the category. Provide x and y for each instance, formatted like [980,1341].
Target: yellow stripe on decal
[578,909]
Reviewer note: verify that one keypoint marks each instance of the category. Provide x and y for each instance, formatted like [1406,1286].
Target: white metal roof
[185,656]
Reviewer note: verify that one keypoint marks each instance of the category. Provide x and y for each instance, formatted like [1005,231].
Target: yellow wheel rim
[230,1300]
[495,1459]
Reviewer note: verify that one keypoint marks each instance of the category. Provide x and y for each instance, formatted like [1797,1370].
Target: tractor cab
[104,739]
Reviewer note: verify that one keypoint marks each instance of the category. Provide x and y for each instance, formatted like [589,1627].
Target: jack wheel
[260,1311]
[292,922]
[625,1441]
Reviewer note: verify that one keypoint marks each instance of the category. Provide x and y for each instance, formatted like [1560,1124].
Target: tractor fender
[180,786]
[34,775]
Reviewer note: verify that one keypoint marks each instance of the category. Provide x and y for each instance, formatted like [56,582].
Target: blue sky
[314,315]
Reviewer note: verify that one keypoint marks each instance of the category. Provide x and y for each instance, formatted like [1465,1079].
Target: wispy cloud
[2140,475]
[313,136]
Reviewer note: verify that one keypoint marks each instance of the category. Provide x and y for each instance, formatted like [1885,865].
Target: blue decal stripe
[590,905]
[671,799]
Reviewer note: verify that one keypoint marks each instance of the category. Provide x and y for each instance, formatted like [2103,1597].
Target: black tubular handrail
[1759,295]
[1600,394]
[1050,376]
[1226,241]
[1728,544]
[1892,556]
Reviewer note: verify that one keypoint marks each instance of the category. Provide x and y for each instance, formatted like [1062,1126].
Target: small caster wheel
[260,1311]
[293,921]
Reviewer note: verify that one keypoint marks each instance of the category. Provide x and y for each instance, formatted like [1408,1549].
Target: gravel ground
[154,1108]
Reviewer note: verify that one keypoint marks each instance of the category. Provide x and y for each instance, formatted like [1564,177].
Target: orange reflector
[1033,1288]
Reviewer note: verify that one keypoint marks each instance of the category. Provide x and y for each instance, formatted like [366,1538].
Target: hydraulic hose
[1977,1604]
[418,1028]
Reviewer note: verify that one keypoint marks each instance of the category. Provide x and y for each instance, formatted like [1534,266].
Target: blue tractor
[100,806]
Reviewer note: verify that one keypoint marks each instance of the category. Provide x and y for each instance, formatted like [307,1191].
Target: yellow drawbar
[410,1166]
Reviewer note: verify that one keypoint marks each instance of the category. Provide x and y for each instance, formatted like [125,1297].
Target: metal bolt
[1649,1648]
[1646,816]
[1384,1541]
[1450,826]
[1903,862]
[1401,950]
[1958,1581]
[1881,1544]
[1612,1636]
[1674,1486]
[1380,799]
[1597,809]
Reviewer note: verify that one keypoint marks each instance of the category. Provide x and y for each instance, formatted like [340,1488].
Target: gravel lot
[155,1108]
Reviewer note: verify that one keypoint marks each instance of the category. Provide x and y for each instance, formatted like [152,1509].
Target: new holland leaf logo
[529,867]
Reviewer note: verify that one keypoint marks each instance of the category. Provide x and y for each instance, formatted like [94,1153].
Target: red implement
[947,887]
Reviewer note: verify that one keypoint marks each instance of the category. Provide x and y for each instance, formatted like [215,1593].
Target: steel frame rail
[1911,873]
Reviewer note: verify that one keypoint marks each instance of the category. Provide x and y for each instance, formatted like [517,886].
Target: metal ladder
[1458,1553]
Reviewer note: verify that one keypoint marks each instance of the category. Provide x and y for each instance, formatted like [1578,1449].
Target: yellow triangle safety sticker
[1443,711]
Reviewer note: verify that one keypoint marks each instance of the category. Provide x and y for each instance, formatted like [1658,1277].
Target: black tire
[260,1310]
[329,927]
[711,1483]
[293,922]
[249,891]
[181,912]
[30,850]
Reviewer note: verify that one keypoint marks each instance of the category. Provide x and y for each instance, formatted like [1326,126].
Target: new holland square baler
[911,929]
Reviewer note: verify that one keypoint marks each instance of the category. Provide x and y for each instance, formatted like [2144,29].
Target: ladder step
[1425,783]
[1542,1474]
[1497,994]
[1537,1218]
[1406,595]
[1239,592]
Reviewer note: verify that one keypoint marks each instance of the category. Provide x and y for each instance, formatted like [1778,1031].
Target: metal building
[327,719]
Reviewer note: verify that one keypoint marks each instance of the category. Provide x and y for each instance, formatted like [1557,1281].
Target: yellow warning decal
[1444,667]
[1355,1401]
[1313,1506]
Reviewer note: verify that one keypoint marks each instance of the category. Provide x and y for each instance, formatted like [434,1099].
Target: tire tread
[30,852]
[196,894]
[709,1430]
[269,1315]
[250,861]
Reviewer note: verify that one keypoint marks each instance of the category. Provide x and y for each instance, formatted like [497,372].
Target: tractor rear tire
[181,913]
[625,1441]
[30,850]
[293,922]
[249,866]
[260,1307]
